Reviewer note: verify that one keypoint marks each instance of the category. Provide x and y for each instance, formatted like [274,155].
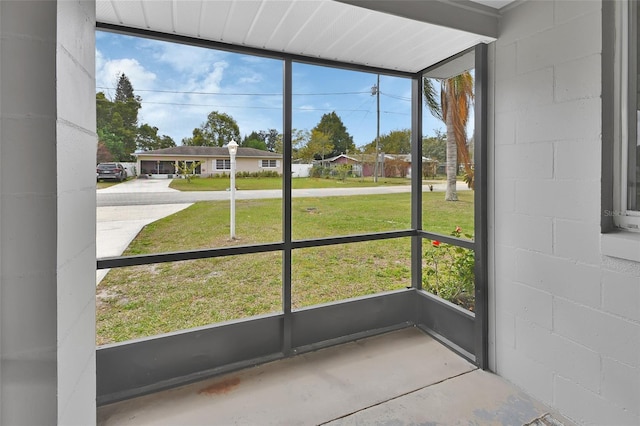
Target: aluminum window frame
[624,20]
[268,162]
[224,161]
[297,331]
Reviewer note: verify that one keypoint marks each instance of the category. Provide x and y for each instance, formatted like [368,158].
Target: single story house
[211,160]
[391,165]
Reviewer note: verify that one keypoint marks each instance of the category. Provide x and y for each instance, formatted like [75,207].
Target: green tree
[435,147]
[456,100]
[331,125]
[124,89]
[255,140]
[148,139]
[187,168]
[117,120]
[255,143]
[103,155]
[104,111]
[127,105]
[318,145]
[271,138]
[197,138]
[395,142]
[299,138]
[113,145]
[218,130]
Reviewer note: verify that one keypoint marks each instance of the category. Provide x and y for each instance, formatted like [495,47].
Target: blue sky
[179,85]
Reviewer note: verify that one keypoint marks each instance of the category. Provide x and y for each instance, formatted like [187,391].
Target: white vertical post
[233,150]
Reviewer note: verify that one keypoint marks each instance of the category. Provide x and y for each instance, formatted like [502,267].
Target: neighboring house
[390,165]
[212,160]
[356,165]
[399,165]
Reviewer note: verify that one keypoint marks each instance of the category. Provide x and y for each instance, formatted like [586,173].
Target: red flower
[435,243]
[458,229]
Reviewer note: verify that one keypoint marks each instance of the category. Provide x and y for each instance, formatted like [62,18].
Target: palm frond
[430,98]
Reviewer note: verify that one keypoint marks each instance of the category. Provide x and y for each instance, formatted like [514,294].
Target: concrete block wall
[47,212]
[76,144]
[565,318]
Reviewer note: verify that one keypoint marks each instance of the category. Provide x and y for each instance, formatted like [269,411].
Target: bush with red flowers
[449,271]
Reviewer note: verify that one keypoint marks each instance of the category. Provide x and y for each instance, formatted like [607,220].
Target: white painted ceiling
[326,29]
[496,4]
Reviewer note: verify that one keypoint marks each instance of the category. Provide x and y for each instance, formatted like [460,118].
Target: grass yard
[222,183]
[109,183]
[146,300]
[106,184]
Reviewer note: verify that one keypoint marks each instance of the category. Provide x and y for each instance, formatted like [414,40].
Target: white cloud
[185,59]
[213,79]
[108,71]
[252,78]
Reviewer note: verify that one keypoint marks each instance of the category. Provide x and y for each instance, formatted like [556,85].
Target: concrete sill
[621,244]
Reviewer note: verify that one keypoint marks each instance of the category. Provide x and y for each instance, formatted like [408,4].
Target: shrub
[318,171]
[449,272]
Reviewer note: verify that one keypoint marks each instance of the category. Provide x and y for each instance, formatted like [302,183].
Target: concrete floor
[399,378]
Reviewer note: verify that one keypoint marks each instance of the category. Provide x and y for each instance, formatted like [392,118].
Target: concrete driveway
[117,226]
[136,186]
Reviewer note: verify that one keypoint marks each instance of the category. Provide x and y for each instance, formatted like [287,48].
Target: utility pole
[375,90]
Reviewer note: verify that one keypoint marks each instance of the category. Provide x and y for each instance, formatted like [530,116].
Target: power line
[402,98]
[266,108]
[181,92]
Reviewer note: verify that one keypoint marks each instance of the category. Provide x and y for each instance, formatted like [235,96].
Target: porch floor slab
[403,377]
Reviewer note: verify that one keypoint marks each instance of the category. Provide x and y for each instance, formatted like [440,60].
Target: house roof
[207,151]
[371,157]
[332,159]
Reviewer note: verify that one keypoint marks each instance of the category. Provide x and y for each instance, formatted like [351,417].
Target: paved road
[124,209]
[140,192]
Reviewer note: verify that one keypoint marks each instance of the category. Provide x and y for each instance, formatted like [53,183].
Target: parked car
[114,171]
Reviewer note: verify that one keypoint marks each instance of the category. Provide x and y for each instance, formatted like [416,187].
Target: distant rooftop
[208,151]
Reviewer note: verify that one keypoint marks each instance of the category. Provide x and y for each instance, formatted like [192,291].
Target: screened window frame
[417,234]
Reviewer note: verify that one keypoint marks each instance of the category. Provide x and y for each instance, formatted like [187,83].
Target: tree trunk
[451,193]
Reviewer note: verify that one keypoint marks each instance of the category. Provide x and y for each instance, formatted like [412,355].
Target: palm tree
[456,99]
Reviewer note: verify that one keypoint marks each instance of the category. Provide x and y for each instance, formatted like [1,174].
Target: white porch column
[47,212]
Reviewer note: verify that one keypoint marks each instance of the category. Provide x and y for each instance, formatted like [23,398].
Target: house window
[626,213]
[268,164]
[223,164]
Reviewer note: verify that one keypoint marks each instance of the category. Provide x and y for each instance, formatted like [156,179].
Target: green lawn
[106,184]
[222,183]
[146,300]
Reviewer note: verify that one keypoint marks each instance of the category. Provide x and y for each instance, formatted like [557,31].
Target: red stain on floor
[221,387]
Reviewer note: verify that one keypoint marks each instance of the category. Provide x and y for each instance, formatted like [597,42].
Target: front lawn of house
[151,299]
[222,183]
